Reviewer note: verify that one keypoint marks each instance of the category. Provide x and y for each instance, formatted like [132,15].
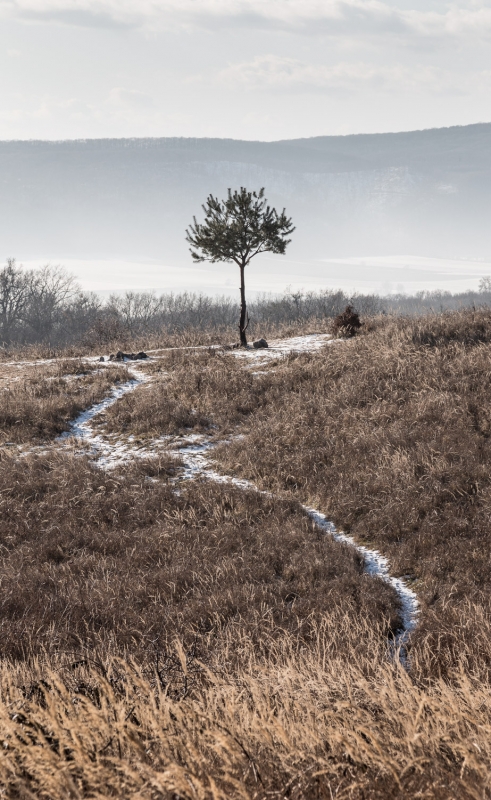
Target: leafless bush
[347,323]
[43,305]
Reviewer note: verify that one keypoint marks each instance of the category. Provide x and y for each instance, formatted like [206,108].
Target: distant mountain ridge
[417,192]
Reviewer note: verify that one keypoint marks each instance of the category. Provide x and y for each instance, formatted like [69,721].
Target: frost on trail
[81,426]
[108,453]
[377,565]
[110,450]
[283,347]
[195,453]
[196,465]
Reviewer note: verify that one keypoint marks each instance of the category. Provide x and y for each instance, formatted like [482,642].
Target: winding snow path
[195,455]
[196,464]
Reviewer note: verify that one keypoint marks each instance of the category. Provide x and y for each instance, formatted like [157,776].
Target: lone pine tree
[236,230]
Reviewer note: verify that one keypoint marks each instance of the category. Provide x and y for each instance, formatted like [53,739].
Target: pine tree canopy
[238,228]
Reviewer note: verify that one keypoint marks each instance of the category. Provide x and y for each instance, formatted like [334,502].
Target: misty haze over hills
[424,193]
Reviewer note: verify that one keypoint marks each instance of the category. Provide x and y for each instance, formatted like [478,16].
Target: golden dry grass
[298,723]
[115,565]
[210,643]
[190,390]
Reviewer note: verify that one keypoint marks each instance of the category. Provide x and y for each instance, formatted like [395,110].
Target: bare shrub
[42,306]
[347,323]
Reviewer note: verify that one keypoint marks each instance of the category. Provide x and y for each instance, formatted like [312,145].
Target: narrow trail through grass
[195,452]
[194,600]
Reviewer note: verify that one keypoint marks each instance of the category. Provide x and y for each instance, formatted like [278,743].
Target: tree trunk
[243,309]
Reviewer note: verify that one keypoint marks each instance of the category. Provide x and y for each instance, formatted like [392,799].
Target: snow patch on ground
[282,347]
[196,465]
[81,425]
[108,453]
[378,565]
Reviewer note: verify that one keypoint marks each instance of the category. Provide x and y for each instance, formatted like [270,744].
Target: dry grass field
[390,435]
[113,558]
[38,401]
[175,639]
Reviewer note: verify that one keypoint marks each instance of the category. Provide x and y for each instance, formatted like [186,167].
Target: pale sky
[251,69]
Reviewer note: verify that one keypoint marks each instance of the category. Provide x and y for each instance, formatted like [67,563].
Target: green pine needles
[236,230]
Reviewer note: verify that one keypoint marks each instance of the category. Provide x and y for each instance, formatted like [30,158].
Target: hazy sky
[254,69]
[273,274]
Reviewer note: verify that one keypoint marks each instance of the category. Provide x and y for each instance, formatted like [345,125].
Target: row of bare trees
[43,305]
[47,306]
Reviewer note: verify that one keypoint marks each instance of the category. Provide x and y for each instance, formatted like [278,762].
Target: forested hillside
[420,192]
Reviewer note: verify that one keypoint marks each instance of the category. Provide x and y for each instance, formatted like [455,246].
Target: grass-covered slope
[196,640]
[390,434]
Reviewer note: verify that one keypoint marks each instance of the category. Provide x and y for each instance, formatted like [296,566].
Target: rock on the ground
[120,356]
[261,344]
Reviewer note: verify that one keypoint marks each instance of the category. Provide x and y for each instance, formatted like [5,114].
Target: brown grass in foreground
[210,644]
[299,722]
[38,402]
[210,591]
